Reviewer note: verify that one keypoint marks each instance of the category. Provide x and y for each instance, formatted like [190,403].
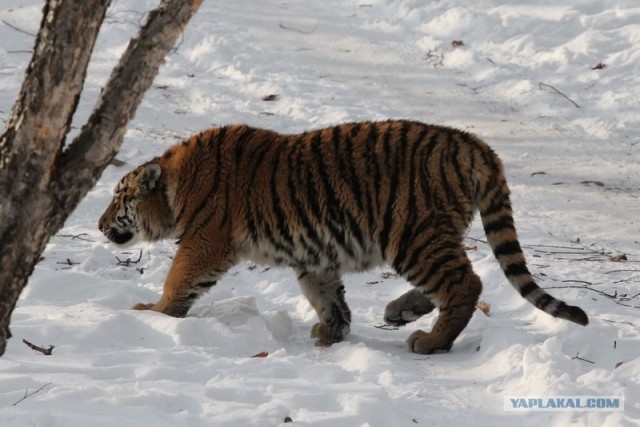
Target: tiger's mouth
[118,237]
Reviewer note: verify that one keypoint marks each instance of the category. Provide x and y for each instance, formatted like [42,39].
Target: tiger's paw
[425,343]
[409,307]
[142,306]
[327,334]
[173,310]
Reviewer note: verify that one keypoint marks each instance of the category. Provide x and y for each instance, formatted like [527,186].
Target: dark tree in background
[41,182]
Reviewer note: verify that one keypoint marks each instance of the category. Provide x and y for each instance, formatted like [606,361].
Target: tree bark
[40,183]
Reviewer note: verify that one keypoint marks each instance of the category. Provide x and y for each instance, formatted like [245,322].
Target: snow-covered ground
[521,76]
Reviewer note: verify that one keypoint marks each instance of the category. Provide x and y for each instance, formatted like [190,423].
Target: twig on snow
[67,262]
[27,394]
[620,271]
[560,93]
[76,236]
[578,281]
[18,29]
[621,322]
[45,351]
[386,327]
[577,356]
[284,27]
[436,59]
[615,297]
[127,262]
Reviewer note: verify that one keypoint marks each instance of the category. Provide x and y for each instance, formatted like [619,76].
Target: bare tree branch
[100,139]
[36,176]
[34,137]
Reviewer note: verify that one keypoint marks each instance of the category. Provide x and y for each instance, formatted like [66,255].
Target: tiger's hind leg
[325,293]
[445,276]
[407,308]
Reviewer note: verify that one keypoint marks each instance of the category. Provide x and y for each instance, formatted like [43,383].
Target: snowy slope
[572,156]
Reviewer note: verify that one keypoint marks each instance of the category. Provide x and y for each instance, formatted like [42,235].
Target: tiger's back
[344,198]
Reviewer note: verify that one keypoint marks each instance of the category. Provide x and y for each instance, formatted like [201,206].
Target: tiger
[324,202]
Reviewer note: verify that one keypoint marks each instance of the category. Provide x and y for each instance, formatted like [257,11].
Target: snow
[574,173]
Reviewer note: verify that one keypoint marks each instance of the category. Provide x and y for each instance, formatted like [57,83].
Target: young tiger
[325,202]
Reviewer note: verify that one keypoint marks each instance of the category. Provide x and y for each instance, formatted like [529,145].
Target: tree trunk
[40,184]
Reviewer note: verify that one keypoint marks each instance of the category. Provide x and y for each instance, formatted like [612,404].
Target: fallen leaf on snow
[485,307]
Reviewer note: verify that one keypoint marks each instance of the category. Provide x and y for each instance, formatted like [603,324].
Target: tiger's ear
[149,176]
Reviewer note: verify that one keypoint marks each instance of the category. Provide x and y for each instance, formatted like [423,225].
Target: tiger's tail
[494,205]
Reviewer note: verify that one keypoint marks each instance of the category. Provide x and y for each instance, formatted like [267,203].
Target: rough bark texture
[40,184]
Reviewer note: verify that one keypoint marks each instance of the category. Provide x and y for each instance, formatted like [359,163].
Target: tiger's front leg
[326,292]
[194,271]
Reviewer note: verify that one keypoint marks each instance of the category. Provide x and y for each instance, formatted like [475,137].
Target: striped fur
[324,202]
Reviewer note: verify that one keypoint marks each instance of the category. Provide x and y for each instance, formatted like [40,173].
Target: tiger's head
[139,209]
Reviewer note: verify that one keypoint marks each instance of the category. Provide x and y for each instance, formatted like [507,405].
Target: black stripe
[354,180]
[343,149]
[575,314]
[393,172]
[281,216]
[527,288]
[242,141]
[499,203]
[454,155]
[187,181]
[517,269]
[277,244]
[314,207]
[563,307]
[256,158]
[433,244]
[215,181]
[439,255]
[472,168]
[373,160]
[507,248]
[404,248]
[425,172]
[332,212]
[370,200]
[212,212]
[414,165]
[410,231]
[256,221]
[438,264]
[502,223]
[206,285]
[544,301]
[312,196]
[489,165]
[447,188]
[295,181]
[348,165]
